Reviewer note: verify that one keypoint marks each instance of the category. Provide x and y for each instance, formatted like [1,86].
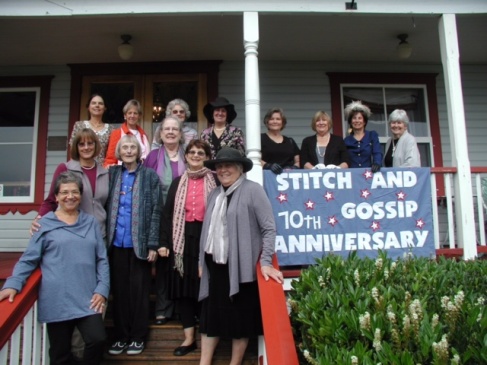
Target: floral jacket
[231,137]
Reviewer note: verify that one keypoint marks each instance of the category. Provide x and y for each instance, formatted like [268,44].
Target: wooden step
[164,339]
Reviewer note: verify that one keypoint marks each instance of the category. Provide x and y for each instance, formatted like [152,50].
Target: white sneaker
[135,348]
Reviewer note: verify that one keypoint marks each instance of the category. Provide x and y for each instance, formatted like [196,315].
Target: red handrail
[12,314]
[278,336]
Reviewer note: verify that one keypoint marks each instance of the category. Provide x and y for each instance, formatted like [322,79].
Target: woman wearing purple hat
[220,114]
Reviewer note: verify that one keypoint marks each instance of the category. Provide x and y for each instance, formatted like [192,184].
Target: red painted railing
[278,336]
[12,314]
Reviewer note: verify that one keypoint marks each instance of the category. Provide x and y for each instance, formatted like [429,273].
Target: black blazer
[336,151]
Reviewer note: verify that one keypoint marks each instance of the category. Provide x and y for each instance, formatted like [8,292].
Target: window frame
[43,83]
[337,79]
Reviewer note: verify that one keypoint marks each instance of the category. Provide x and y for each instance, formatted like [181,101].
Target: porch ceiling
[293,37]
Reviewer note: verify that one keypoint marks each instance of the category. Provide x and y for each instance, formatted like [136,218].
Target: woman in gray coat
[401,148]
[238,227]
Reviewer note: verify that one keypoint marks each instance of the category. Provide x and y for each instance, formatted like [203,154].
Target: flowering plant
[411,311]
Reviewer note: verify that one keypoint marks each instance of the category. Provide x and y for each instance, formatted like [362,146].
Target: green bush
[410,311]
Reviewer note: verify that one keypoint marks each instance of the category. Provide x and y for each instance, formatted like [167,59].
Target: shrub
[380,311]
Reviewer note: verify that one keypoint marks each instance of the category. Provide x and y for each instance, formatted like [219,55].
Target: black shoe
[117,348]
[184,350]
[135,348]
[161,321]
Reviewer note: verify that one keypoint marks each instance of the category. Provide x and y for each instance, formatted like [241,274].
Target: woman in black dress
[278,152]
[181,229]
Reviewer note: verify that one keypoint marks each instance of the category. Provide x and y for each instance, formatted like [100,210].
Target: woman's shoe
[161,320]
[184,350]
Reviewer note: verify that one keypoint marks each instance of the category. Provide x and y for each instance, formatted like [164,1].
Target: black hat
[228,154]
[220,102]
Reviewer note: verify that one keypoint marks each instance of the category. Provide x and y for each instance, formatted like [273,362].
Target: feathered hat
[357,106]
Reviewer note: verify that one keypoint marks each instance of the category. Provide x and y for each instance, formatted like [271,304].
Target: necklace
[318,148]
[89,168]
[219,129]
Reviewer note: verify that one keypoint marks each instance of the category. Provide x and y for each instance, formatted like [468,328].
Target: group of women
[185,205]
[361,148]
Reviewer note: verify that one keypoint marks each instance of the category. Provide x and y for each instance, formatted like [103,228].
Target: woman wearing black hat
[220,113]
[238,228]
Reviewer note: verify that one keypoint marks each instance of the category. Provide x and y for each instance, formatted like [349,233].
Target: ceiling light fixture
[126,50]
[404,48]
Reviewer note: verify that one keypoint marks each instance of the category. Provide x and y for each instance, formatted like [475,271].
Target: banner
[338,211]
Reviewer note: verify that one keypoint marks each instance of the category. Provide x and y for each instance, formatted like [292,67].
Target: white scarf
[217,241]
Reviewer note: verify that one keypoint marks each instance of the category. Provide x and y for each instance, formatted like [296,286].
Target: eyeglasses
[199,153]
[65,193]
[86,144]
[174,111]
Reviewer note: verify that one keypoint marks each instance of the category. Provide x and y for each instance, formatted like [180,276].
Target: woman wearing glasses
[179,109]
[85,147]
[168,162]
[182,220]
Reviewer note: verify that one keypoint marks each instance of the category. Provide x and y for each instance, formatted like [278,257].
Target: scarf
[163,168]
[179,216]
[217,242]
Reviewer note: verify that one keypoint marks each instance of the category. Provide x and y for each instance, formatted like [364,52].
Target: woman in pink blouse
[180,235]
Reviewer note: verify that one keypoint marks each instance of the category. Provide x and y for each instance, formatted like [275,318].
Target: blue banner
[337,211]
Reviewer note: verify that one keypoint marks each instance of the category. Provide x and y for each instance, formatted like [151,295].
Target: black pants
[92,330]
[130,283]
[189,309]
[164,305]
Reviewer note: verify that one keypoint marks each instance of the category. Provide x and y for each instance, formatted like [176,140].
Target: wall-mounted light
[404,48]
[126,50]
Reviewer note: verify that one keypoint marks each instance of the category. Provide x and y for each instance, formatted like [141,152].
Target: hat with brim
[220,102]
[229,155]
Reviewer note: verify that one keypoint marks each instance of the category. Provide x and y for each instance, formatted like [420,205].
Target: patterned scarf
[179,217]
[217,242]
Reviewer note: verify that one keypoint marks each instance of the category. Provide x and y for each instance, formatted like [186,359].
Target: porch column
[464,212]
[252,94]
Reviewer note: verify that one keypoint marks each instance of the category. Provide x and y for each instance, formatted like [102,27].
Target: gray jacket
[251,231]
[406,153]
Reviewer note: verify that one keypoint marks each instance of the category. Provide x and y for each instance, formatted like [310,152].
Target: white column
[464,212]
[252,94]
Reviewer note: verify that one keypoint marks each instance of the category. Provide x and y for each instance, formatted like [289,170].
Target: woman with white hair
[401,149]
[179,109]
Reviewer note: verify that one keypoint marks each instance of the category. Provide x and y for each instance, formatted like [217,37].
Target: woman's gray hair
[399,115]
[132,104]
[67,177]
[157,135]
[182,103]
[128,138]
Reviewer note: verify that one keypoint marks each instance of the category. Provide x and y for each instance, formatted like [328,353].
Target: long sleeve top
[365,152]
[74,265]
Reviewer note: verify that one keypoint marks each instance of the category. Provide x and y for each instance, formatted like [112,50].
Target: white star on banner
[282,198]
[401,195]
[375,226]
[310,205]
[420,223]
[367,174]
[329,196]
[365,193]
[332,221]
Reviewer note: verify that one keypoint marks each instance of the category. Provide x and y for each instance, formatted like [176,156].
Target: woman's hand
[98,303]
[8,293]
[271,272]
[152,256]
[34,226]
[163,252]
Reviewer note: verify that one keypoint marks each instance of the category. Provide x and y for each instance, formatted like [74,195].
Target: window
[24,104]
[384,92]
[382,100]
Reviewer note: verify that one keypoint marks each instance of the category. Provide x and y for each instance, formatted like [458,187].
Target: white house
[300,55]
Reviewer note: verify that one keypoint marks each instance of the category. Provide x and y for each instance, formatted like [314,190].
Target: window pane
[411,100]
[115,95]
[374,99]
[17,182]
[18,123]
